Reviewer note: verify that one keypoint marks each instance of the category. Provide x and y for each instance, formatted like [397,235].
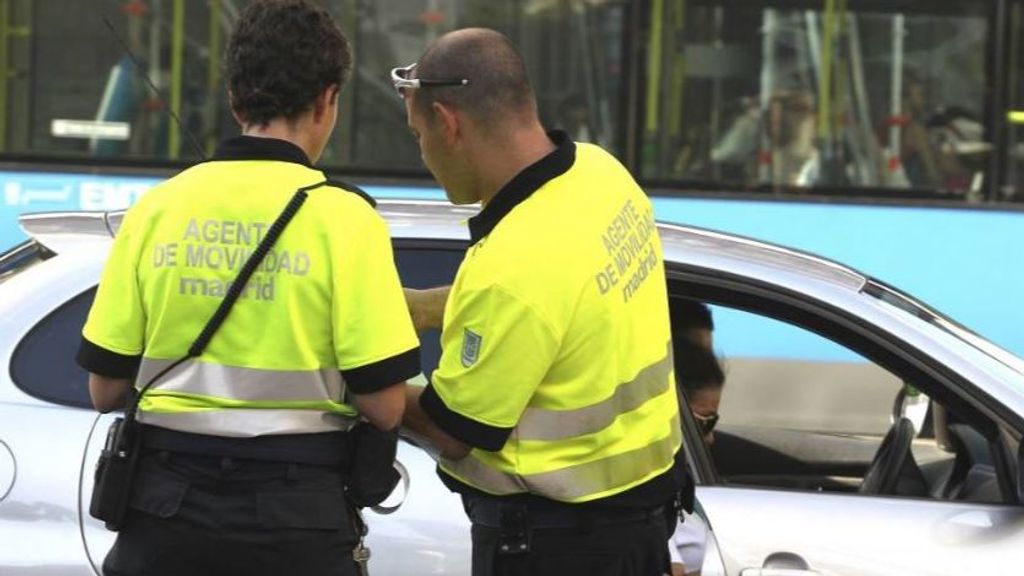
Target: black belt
[322,449]
[496,513]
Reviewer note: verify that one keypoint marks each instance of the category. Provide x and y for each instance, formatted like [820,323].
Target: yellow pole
[177,61]
[825,72]
[213,77]
[677,98]
[840,70]
[654,66]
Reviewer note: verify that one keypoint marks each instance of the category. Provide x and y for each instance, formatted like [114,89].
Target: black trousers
[201,515]
[636,547]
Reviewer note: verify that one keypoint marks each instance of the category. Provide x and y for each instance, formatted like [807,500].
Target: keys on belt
[361,556]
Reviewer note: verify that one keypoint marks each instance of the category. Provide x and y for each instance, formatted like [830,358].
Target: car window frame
[845,329]
[30,333]
[21,257]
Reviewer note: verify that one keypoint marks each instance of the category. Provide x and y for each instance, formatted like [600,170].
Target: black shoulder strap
[233,293]
[353,189]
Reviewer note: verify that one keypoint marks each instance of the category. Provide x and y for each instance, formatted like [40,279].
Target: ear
[449,120]
[234,111]
[238,118]
[324,102]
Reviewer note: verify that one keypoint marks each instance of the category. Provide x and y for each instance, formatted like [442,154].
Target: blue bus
[886,134]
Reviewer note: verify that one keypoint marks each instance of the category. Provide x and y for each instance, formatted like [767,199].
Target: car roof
[439,220]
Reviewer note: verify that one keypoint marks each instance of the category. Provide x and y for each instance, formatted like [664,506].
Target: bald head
[498,90]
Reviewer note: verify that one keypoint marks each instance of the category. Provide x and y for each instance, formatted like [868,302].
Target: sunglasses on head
[400,78]
[706,423]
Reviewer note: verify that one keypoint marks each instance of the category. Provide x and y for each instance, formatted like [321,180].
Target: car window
[428,268]
[43,364]
[782,376]
[797,410]
[21,258]
[800,411]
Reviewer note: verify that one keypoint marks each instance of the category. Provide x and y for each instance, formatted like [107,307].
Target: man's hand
[427,307]
[108,393]
[418,421]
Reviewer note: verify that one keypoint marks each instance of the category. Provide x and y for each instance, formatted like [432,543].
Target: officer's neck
[294,131]
[519,150]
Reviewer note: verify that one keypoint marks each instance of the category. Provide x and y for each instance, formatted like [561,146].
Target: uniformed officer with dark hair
[553,404]
[247,447]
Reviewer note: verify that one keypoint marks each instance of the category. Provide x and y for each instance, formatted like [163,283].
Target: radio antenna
[142,72]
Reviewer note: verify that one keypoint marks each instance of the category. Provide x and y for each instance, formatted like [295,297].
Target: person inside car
[700,379]
[691,321]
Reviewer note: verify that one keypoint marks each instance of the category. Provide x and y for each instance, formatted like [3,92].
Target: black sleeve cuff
[384,373]
[463,429]
[99,360]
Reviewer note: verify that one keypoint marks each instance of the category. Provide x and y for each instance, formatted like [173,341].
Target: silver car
[862,433]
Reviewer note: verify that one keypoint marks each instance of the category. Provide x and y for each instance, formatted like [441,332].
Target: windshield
[21,258]
[909,305]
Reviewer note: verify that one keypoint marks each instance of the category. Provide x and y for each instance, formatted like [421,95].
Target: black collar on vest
[524,184]
[254,148]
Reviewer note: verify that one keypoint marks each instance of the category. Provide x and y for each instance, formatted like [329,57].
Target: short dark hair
[697,368]
[281,56]
[686,314]
[498,82]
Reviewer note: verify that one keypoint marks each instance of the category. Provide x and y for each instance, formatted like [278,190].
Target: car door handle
[781,564]
[777,572]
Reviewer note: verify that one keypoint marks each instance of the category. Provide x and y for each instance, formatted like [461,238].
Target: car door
[808,397]
[45,416]
[429,534]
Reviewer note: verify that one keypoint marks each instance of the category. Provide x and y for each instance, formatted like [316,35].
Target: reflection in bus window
[1013,186]
[898,98]
[80,72]
[576,90]
[823,97]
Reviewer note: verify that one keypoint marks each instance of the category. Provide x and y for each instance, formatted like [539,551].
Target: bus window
[1013,185]
[572,52]
[86,95]
[819,95]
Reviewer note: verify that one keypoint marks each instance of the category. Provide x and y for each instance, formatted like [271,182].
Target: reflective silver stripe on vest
[246,423]
[574,483]
[245,384]
[549,425]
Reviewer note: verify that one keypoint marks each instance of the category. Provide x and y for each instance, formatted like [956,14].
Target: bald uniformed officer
[247,447]
[553,403]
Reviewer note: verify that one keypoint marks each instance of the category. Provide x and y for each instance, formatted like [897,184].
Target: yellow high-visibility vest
[556,363]
[323,313]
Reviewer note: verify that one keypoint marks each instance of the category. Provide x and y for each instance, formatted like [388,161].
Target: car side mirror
[912,404]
